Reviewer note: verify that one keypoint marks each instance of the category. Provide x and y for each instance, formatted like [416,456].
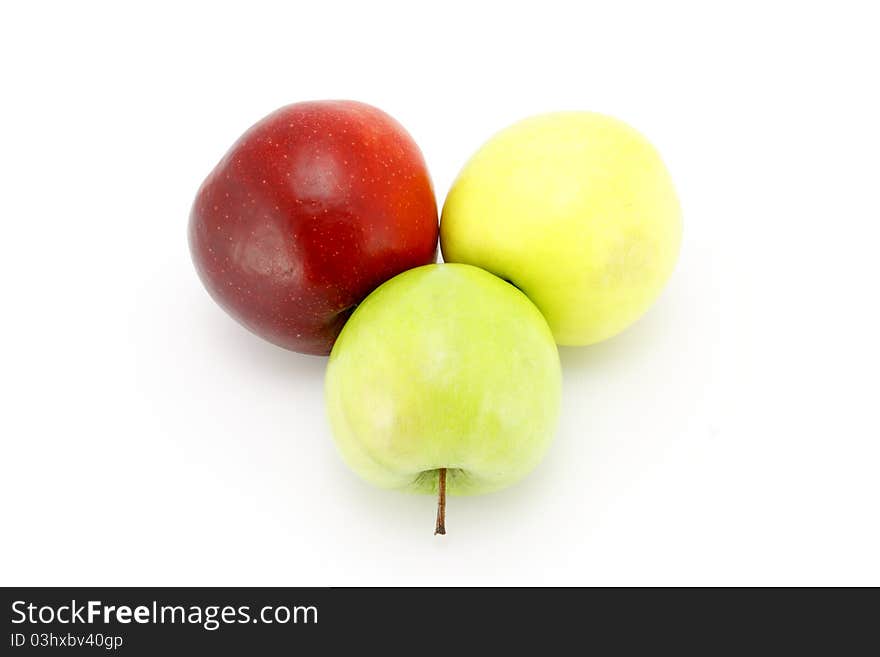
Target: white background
[730,437]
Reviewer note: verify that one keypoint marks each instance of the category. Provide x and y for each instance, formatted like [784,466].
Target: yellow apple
[578,211]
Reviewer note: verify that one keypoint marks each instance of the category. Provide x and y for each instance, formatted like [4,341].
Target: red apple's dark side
[309,211]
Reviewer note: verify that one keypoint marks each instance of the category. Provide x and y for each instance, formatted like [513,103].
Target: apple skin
[444,366]
[309,211]
[578,211]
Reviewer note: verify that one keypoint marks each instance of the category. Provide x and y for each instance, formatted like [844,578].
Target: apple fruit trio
[318,231]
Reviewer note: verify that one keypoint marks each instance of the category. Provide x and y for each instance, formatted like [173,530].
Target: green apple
[444,377]
[578,211]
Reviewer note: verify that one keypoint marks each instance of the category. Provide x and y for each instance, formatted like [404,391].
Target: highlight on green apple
[445,380]
[578,211]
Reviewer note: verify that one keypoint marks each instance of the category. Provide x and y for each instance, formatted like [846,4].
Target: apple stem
[440,528]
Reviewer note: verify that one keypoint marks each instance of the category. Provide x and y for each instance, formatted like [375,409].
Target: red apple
[309,211]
